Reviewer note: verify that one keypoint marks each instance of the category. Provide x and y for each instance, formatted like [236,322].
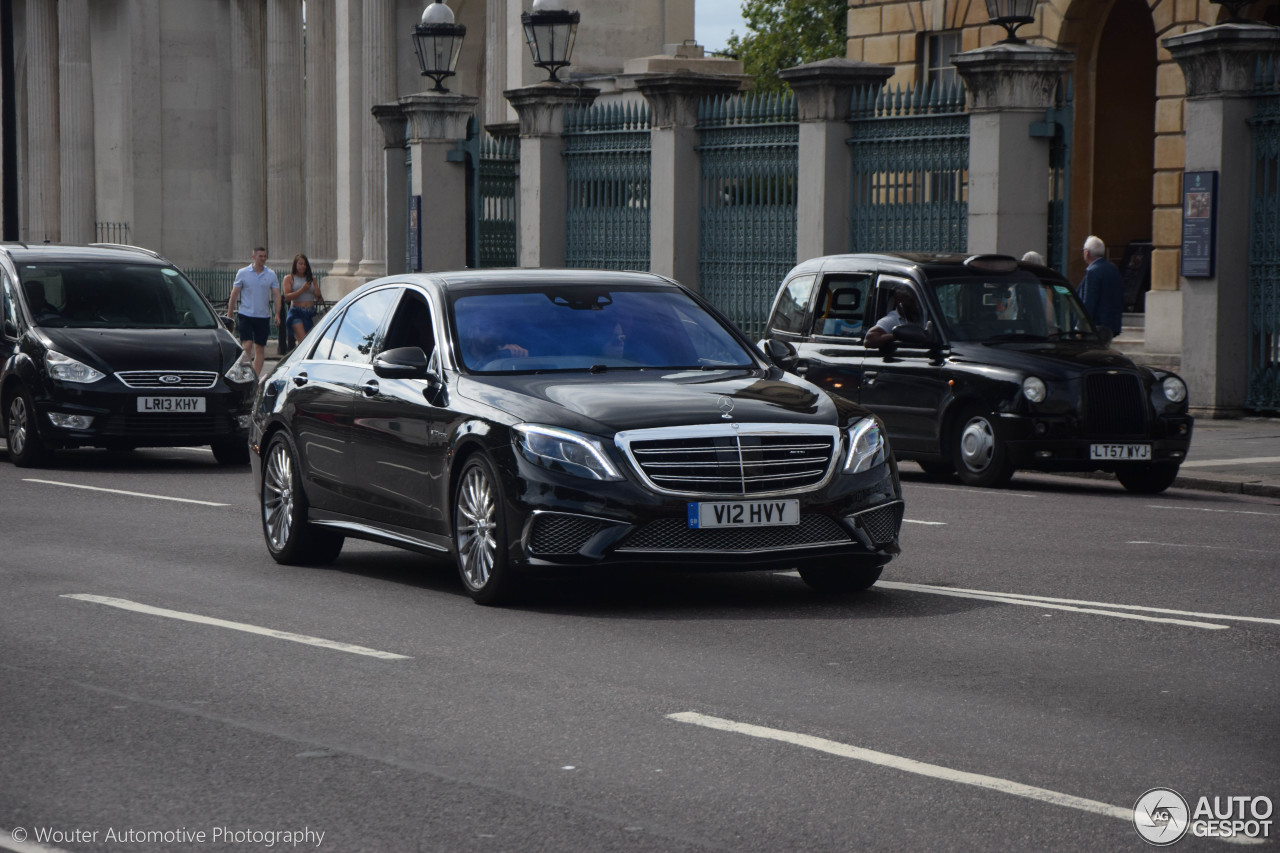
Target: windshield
[1013,307]
[589,327]
[114,296]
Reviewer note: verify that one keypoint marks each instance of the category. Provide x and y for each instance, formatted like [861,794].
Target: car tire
[291,539]
[840,580]
[26,448]
[231,452]
[979,454]
[479,533]
[1147,479]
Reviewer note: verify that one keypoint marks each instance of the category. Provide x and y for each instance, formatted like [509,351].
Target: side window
[410,326]
[842,305]
[357,338]
[885,301]
[793,303]
[10,307]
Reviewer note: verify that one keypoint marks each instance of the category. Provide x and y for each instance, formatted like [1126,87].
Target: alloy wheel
[18,424]
[278,496]
[476,521]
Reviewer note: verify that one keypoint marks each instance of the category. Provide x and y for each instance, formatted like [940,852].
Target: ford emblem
[170,379]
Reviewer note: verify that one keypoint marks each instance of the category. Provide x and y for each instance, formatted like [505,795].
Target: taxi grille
[674,534]
[152,378]
[736,463]
[1114,405]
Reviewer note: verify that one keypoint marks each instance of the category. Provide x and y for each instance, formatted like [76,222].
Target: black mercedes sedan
[980,365]
[524,421]
[111,346]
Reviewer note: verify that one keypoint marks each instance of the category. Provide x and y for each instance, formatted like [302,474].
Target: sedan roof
[483,278]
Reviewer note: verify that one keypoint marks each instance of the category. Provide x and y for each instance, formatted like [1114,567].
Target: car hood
[608,403]
[112,350]
[1057,359]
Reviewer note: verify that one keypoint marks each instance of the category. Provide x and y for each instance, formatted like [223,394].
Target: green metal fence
[1264,243]
[910,151]
[746,202]
[607,169]
[498,201]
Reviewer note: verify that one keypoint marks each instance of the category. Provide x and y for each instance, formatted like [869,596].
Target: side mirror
[401,363]
[228,322]
[780,353]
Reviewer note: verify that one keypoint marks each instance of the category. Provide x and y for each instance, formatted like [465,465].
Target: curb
[1201,484]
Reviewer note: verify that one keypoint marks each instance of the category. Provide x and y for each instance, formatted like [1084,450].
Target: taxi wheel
[26,449]
[290,539]
[1147,479]
[231,452]
[837,579]
[977,450]
[479,533]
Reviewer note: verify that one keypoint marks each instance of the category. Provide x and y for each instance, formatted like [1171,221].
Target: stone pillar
[673,229]
[1218,64]
[44,219]
[824,92]
[248,133]
[321,145]
[77,198]
[437,123]
[286,143]
[350,119]
[379,72]
[1010,87]
[495,62]
[392,120]
[540,241]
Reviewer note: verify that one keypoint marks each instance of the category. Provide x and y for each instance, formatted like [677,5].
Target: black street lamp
[1011,14]
[438,40]
[550,31]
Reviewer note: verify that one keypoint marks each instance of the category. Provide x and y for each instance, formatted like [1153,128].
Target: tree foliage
[784,33]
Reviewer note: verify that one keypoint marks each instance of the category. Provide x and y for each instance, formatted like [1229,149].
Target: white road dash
[1250,460]
[930,523]
[974,492]
[125,604]
[122,492]
[1208,509]
[920,768]
[1203,547]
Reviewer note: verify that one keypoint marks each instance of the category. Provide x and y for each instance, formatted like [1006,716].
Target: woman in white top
[303,291]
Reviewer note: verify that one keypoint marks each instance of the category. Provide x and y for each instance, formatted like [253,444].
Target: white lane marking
[920,768]
[1141,607]
[1252,460]
[125,604]
[1205,547]
[1003,599]
[930,523]
[8,842]
[974,492]
[1207,509]
[122,492]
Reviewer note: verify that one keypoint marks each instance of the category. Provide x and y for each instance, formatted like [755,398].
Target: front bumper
[118,422]
[1055,443]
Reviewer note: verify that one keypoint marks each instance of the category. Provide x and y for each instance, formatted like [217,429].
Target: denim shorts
[254,329]
[306,316]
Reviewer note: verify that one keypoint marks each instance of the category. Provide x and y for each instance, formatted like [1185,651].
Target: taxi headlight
[1175,390]
[1033,389]
[564,451]
[866,447]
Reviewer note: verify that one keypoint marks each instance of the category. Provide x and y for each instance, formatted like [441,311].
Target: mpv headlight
[1033,389]
[241,371]
[866,447]
[1175,390]
[565,451]
[69,370]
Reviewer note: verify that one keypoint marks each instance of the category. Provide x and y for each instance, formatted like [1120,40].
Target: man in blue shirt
[1102,288]
[258,291]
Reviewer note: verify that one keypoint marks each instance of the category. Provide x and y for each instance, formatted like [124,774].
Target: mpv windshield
[589,328]
[1015,307]
[116,296]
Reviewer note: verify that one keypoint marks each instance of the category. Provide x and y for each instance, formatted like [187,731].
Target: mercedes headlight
[565,451]
[241,371]
[69,370]
[1033,389]
[1175,390]
[866,447]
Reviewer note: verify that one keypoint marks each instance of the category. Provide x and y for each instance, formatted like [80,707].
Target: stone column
[824,92]
[541,109]
[77,198]
[1218,64]
[286,143]
[350,119]
[437,123]
[392,121]
[379,70]
[673,194]
[44,219]
[248,133]
[321,144]
[1010,87]
[495,61]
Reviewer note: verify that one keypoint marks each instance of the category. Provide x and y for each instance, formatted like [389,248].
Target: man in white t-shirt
[258,291]
[905,310]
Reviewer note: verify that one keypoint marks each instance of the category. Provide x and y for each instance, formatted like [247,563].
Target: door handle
[370,388]
[869,377]
[300,379]
[801,368]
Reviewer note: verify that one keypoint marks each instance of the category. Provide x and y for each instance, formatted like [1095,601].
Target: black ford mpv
[111,346]
[526,420]
[999,369]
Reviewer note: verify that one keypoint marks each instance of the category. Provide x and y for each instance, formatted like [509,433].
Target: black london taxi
[982,365]
[111,346]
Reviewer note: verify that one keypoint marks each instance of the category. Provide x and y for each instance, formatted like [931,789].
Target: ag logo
[1161,816]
